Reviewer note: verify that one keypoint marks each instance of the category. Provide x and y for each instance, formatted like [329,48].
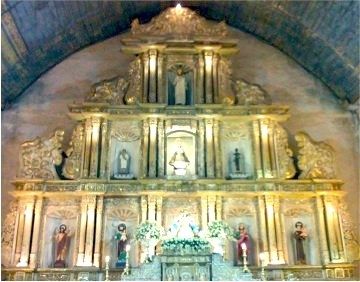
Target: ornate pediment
[179,23]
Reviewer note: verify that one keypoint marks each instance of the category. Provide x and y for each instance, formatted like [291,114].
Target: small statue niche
[238,165]
[123,165]
[180,85]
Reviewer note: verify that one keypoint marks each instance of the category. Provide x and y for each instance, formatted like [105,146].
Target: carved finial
[315,159]
[250,94]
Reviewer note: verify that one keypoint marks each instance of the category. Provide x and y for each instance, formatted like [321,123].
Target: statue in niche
[183,227]
[62,242]
[179,86]
[179,161]
[123,170]
[122,239]
[300,235]
[243,239]
[238,165]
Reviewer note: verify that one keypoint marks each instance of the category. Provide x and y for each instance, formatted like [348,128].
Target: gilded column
[20,231]
[151,208]
[209,148]
[161,148]
[322,230]
[264,246]
[89,245]
[152,149]
[144,208]
[211,208]
[144,145]
[87,148]
[36,231]
[209,94]
[160,80]
[99,217]
[331,230]
[200,93]
[279,231]
[337,227]
[215,77]
[204,212]
[145,60]
[105,139]
[94,158]
[257,149]
[25,248]
[286,251]
[272,152]
[264,129]
[159,210]
[218,150]
[218,207]
[81,253]
[269,206]
[152,75]
[201,149]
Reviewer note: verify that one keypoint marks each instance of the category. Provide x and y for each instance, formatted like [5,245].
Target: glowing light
[243,246]
[127,248]
[178,7]
[107,259]
[262,256]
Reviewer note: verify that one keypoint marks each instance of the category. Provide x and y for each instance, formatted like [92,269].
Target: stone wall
[44,107]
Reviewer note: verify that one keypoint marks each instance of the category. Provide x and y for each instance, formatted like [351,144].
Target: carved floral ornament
[180,23]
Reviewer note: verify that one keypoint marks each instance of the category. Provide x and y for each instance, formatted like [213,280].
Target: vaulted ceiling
[321,36]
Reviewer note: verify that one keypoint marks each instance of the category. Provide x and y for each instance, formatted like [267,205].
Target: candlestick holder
[127,264]
[107,260]
[244,249]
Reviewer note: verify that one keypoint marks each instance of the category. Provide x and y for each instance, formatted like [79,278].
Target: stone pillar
[36,231]
[257,149]
[320,210]
[20,231]
[218,207]
[279,231]
[144,208]
[152,148]
[89,245]
[151,208]
[25,247]
[144,147]
[81,253]
[272,152]
[204,212]
[105,138]
[218,150]
[99,217]
[152,75]
[264,246]
[145,63]
[94,158]
[159,210]
[210,169]
[286,251]
[337,227]
[200,82]
[215,77]
[201,148]
[211,208]
[161,148]
[269,206]
[209,94]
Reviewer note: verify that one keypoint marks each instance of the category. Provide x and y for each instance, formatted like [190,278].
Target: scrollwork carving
[225,92]
[249,94]
[125,132]
[286,163]
[315,159]
[108,91]
[72,164]
[8,231]
[39,156]
[179,23]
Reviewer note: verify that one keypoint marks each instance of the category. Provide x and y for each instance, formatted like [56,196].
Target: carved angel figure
[71,169]
[39,156]
[315,159]
[249,94]
[109,91]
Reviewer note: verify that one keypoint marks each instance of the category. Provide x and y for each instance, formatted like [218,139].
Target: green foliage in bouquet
[220,229]
[147,230]
[178,245]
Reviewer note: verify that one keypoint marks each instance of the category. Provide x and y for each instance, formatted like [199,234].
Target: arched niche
[178,143]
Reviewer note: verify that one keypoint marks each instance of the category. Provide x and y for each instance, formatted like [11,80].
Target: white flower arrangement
[220,229]
[147,230]
[186,246]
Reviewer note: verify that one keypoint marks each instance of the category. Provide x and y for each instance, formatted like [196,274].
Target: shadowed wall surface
[321,36]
